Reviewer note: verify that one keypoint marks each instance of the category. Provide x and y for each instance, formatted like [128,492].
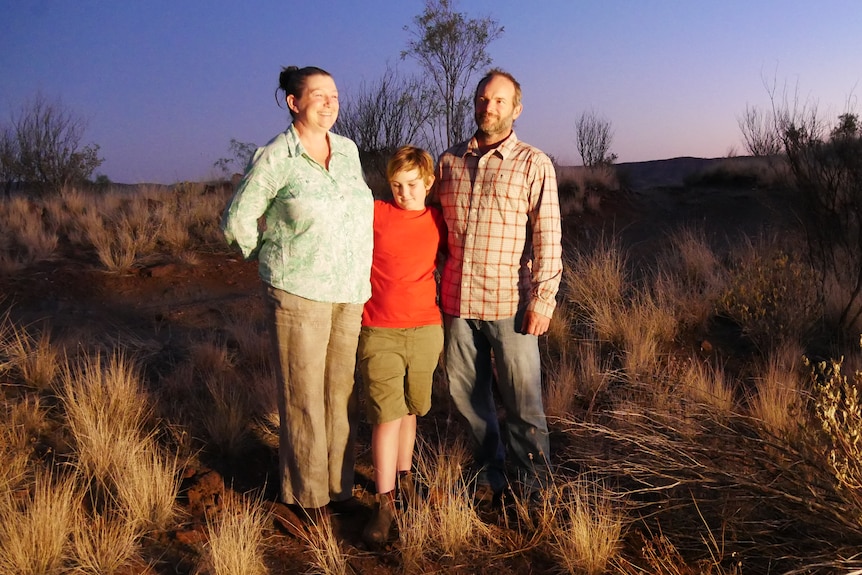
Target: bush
[594,136]
[44,148]
[828,172]
[771,297]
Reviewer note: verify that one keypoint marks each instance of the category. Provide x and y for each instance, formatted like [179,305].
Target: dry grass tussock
[327,556]
[690,277]
[221,403]
[595,286]
[25,236]
[581,188]
[637,322]
[578,379]
[123,229]
[588,522]
[18,422]
[780,392]
[443,528]
[84,477]
[235,539]
[103,408]
[35,530]
[33,357]
[104,544]
[106,409]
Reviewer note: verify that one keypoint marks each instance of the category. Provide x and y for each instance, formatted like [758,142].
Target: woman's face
[317,107]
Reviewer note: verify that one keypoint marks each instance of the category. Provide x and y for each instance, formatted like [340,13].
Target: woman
[314,249]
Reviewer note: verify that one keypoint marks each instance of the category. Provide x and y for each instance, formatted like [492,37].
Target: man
[498,288]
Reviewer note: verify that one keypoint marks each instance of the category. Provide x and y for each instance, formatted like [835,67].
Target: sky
[164,85]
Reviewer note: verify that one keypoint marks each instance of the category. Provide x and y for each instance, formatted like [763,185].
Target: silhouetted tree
[827,168]
[451,47]
[240,155]
[44,148]
[384,115]
[594,137]
[759,132]
[8,159]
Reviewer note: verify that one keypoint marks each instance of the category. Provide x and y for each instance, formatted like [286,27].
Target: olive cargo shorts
[397,367]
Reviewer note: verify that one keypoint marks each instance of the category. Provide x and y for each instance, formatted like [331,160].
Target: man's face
[495,108]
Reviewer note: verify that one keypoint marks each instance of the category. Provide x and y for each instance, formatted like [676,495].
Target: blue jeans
[473,349]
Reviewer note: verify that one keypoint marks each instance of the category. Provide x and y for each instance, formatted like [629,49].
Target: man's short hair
[498,72]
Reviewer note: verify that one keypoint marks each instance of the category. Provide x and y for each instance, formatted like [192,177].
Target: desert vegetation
[703,402]
[43,146]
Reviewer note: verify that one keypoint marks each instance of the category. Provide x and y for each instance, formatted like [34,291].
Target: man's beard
[489,124]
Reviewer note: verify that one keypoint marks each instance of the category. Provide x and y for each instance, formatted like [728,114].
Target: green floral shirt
[318,238]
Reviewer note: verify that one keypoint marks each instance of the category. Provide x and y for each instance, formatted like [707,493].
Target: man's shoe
[485,498]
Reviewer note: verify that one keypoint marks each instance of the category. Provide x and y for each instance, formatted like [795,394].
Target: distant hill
[662,173]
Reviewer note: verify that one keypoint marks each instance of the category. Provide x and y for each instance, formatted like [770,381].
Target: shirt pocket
[510,203]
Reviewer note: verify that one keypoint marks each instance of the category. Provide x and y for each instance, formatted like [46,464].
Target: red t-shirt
[406,248]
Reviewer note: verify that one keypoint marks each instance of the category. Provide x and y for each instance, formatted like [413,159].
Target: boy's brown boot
[377,530]
[405,489]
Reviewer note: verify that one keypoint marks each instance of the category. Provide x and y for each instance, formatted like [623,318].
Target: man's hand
[535,323]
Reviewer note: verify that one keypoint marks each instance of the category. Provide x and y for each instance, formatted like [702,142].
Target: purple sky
[165,85]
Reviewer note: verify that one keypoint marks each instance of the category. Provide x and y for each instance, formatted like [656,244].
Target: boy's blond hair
[408,158]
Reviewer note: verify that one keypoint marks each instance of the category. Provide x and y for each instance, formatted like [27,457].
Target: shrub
[838,407]
[828,171]
[594,135]
[771,296]
[44,147]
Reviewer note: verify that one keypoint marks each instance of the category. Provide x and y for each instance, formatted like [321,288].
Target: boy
[402,333]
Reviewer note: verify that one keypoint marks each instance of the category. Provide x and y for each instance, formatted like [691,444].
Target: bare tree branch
[594,137]
[384,115]
[44,147]
[451,48]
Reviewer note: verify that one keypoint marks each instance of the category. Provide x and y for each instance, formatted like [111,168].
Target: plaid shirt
[503,216]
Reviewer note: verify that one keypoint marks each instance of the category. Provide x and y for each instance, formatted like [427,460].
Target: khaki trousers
[315,348]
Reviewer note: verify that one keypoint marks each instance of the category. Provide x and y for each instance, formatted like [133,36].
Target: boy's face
[409,189]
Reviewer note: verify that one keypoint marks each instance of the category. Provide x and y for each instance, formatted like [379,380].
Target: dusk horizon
[164,88]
